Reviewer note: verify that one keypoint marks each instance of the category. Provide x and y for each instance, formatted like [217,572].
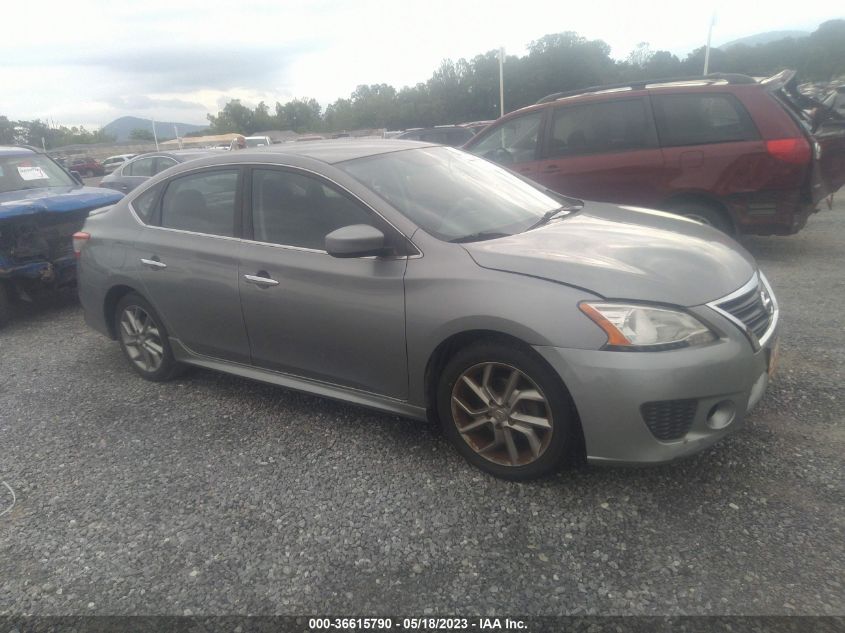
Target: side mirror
[356,240]
[77,177]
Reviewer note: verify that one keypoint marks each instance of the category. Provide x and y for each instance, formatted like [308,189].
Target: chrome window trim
[137,195]
[757,279]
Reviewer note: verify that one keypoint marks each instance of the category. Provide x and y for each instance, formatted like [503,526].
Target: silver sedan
[426,282]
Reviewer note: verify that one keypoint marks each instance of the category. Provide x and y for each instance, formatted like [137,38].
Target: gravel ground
[217,495]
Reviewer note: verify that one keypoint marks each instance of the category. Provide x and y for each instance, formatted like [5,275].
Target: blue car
[41,206]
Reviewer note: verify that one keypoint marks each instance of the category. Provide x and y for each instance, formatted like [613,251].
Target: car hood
[54,200]
[625,253]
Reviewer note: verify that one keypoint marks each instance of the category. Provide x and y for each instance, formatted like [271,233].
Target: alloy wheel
[502,414]
[141,338]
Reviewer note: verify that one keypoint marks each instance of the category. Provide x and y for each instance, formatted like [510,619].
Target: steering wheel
[454,216]
[500,155]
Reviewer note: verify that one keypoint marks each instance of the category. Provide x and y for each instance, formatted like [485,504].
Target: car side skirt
[298,383]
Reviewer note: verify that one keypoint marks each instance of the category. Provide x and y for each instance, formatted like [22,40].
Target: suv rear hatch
[823,127]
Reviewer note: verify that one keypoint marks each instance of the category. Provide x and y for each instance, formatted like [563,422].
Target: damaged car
[41,206]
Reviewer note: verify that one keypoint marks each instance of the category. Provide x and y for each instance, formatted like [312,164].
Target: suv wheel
[144,340]
[505,411]
[5,304]
[705,213]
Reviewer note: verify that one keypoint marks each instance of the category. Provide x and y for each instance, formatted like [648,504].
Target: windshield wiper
[549,215]
[480,236]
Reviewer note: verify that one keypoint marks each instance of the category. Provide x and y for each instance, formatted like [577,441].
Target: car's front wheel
[143,339]
[506,411]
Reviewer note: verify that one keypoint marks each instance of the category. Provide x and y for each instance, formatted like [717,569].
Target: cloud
[183,69]
[143,102]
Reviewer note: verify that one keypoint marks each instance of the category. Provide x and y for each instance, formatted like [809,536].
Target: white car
[113,162]
[258,141]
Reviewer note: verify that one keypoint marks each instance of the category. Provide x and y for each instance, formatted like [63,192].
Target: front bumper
[609,389]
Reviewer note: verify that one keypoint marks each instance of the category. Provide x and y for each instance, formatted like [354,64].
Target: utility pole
[155,136]
[176,134]
[707,49]
[501,81]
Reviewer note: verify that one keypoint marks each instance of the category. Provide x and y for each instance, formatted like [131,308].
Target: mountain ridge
[764,38]
[122,127]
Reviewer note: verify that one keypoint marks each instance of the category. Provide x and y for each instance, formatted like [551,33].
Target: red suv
[727,150]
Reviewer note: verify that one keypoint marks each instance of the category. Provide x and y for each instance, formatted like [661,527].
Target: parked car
[41,206]
[452,135]
[418,279]
[113,162]
[258,141]
[141,168]
[86,166]
[726,150]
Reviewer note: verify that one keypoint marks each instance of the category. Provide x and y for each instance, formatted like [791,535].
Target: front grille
[669,419]
[754,309]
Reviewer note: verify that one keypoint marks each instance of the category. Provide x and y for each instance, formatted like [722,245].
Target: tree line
[41,134]
[468,90]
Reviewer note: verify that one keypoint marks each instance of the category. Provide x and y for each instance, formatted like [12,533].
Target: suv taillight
[790,150]
[80,238]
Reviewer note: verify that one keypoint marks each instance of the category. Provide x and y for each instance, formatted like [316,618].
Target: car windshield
[255,142]
[453,195]
[31,171]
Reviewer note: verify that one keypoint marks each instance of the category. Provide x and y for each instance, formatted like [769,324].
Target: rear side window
[601,127]
[145,203]
[698,119]
[203,203]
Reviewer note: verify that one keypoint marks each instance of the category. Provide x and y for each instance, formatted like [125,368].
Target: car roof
[330,151]
[14,150]
[178,153]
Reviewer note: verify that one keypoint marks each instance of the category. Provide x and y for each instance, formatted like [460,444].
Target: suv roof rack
[731,78]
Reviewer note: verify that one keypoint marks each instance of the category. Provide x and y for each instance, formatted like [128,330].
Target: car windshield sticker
[32,172]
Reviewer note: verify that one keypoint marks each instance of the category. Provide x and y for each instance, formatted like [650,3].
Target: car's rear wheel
[143,339]
[505,410]
[5,303]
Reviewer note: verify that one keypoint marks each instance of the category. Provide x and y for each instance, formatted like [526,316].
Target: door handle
[258,280]
[153,263]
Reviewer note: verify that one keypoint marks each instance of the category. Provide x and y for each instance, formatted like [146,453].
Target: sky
[90,61]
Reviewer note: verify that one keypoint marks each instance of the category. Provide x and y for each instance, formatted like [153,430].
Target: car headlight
[634,327]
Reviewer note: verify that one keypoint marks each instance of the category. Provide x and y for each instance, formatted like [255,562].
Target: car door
[188,262]
[604,150]
[512,142]
[307,313]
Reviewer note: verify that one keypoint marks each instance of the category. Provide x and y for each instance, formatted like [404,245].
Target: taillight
[80,238]
[790,150]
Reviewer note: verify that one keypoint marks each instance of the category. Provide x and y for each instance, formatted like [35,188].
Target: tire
[482,437]
[147,348]
[5,304]
[705,213]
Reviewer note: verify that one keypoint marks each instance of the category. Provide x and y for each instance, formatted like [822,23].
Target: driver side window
[293,209]
[514,141]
